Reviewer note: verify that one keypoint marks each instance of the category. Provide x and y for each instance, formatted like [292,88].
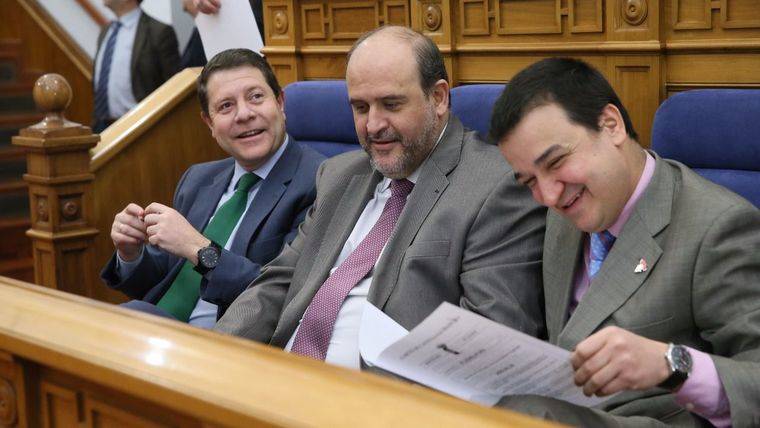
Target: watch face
[681,359]
[209,257]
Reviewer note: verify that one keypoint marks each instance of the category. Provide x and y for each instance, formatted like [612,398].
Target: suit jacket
[272,219]
[701,243]
[155,55]
[468,235]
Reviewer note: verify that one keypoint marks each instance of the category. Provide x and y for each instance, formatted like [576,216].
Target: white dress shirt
[343,349]
[204,314]
[120,96]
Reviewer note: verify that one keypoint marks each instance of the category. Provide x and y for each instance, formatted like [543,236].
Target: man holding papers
[651,273]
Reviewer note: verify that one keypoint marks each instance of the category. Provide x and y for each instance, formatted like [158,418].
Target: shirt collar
[262,171]
[646,177]
[415,175]
[130,18]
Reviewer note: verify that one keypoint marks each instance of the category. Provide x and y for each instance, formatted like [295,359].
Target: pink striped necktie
[316,328]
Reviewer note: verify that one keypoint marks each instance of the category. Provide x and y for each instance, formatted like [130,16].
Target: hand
[614,360]
[169,230]
[128,232]
[208,6]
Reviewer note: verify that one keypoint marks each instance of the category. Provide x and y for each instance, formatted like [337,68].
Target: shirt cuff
[703,392]
[124,268]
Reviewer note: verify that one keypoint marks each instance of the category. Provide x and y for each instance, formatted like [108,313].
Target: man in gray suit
[651,273]
[465,234]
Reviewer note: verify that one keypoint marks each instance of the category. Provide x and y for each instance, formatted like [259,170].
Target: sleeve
[254,314]
[726,301]
[703,393]
[501,264]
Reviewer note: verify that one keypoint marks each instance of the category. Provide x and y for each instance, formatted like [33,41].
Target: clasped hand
[159,225]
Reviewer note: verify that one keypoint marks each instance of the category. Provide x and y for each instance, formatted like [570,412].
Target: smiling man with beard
[426,214]
[229,217]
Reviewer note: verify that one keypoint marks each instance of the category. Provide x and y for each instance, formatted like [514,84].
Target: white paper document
[234,26]
[471,357]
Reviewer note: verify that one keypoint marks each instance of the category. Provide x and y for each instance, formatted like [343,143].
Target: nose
[548,191]
[244,112]
[375,121]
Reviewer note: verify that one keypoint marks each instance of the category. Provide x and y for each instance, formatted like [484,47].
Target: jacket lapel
[617,280]
[207,198]
[269,193]
[563,246]
[429,187]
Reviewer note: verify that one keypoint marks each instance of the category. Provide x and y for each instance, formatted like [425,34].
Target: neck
[637,159]
[124,9]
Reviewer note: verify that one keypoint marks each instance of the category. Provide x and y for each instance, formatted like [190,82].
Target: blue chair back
[715,132]
[473,105]
[319,115]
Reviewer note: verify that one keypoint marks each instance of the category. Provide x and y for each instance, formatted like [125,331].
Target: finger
[613,387]
[592,365]
[130,231]
[151,231]
[155,208]
[151,219]
[130,221]
[588,347]
[122,239]
[134,209]
[601,378]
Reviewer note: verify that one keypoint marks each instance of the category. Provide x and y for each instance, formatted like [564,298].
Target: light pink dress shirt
[703,392]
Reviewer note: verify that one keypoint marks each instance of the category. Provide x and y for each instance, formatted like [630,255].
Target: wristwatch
[208,258]
[679,361]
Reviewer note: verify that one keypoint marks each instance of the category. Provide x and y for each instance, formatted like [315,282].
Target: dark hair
[234,58]
[430,63]
[579,89]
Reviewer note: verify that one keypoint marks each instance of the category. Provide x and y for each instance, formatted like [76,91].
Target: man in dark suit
[426,214]
[650,272]
[136,54]
[247,206]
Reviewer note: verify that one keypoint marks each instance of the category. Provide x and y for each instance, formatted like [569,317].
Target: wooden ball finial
[52,93]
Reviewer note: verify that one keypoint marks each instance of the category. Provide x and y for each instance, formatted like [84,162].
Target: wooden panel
[396,13]
[313,19]
[691,14]
[528,16]
[713,68]
[60,406]
[740,13]
[350,20]
[101,365]
[585,16]
[636,81]
[474,17]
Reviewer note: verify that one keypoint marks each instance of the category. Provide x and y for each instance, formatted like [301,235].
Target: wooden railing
[648,49]
[70,361]
[78,184]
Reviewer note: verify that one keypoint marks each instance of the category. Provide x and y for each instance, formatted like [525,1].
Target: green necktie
[182,296]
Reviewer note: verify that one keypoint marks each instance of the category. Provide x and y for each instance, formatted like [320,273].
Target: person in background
[193,55]
[651,273]
[136,54]
[229,217]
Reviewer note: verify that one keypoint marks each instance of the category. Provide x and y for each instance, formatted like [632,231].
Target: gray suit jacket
[469,235]
[155,55]
[702,289]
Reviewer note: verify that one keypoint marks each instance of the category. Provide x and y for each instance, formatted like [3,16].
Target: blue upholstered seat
[717,133]
[318,112]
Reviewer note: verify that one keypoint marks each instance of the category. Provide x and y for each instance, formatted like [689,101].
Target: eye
[556,162]
[529,183]
[224,106]
[392,106]
[359,108]
[256,96]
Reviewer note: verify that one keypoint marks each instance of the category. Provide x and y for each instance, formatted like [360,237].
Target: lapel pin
[641,267]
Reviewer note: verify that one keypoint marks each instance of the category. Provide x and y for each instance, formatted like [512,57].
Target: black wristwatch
[679,361]
[208,258]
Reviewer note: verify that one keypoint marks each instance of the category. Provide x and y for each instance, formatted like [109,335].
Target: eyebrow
[353,101]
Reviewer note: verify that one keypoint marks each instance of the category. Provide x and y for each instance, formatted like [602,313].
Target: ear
[281,103]
[207,120]
[611,123]
[440,94]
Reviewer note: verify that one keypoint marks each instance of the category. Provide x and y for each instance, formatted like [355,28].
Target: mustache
[384,135]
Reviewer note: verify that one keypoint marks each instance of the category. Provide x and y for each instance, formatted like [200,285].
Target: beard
[415,148]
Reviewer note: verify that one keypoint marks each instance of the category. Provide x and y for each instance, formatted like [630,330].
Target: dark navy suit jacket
[272,220]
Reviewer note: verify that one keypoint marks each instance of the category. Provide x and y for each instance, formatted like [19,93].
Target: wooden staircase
[17,111]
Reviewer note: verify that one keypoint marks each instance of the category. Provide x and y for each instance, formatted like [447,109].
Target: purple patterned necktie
[314,334]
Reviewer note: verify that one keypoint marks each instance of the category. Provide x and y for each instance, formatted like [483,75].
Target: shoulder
[346,164]
[153,23]
[309,158]
[203,172]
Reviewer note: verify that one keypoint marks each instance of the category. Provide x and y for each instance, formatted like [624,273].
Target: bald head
[414,46]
